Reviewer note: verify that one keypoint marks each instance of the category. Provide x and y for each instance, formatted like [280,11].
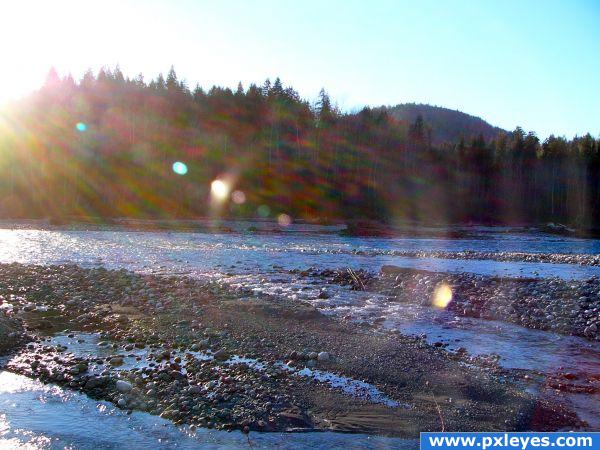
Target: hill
[111,147]
[447,125]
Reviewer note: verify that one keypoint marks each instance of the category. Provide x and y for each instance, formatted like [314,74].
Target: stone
[221,355]
[323,357]
[195,390]
[93,383]
[324,295]
[123,386]
[116,361]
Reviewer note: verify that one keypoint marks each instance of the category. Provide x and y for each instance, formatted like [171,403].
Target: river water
[261,263]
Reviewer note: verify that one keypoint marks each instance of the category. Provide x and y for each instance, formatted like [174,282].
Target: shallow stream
[31,412]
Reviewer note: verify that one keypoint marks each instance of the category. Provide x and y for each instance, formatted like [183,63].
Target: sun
[68,35]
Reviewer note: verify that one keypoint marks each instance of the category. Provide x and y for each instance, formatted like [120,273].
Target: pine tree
[240,89]
[52,78]
[277,89]
[172,83]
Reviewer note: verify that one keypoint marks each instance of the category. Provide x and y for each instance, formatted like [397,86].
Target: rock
[82,367]
[324,295]
[201,345]
[116,361]
[123,386]
[210,384]
[122,403]
[294,418]
[221,355]
[195,390]
[93,383]
[176,375]
[323,357]
[590,330]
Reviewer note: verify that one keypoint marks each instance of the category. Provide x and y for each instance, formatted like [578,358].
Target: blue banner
[514,441]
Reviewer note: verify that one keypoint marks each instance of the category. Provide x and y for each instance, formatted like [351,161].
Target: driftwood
[358,284]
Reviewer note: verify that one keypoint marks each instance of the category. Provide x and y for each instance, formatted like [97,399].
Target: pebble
[116,361]
[324,294]
[221,355]
[123,386]
[323,357]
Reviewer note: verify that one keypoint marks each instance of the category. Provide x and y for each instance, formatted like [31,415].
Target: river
[262,263]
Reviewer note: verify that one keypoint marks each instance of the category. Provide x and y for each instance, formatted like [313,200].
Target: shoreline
[272,229]
[12,336]
[562,306]
[341,227]
[175,317]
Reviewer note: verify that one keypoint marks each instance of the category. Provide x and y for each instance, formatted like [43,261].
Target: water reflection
[200,253]
[37,416]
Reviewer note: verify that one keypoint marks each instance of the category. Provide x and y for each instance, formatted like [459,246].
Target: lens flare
[263,211]
[442,296]
[81,127]
[219,190]
[284,220]
[179,168]
[238,197]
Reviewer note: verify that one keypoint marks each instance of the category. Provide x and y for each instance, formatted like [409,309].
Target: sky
[530,63]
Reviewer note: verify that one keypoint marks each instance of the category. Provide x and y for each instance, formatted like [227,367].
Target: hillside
[447,125]
[111,146]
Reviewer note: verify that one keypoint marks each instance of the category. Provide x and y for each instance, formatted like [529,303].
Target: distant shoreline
[360,228]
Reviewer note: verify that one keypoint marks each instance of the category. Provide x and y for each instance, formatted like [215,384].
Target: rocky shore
[199,354]
[552,258]
[11,333]
[565,307]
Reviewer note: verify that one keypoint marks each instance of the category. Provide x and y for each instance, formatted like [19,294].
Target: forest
[110,146]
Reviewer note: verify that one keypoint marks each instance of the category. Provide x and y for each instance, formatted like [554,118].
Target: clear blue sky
[529,63]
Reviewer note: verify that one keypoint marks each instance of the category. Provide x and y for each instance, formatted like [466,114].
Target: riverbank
[197,353]
[341,227]
[552,258]
[565,307]
[11,333]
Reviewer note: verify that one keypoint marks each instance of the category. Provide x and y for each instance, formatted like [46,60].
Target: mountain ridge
[446,125]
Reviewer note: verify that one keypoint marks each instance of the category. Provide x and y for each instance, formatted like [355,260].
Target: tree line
[104,146]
